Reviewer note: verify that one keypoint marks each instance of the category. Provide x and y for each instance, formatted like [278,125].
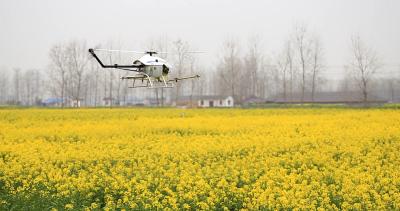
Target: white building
[75,103]
[214,101]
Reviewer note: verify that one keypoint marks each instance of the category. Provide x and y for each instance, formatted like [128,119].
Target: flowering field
[199,159]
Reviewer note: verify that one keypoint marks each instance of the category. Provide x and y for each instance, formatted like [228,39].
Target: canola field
[215,159]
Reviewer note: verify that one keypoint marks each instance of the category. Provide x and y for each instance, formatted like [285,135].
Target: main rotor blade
[144,52]
[125,51]
[183,52]
[194,51]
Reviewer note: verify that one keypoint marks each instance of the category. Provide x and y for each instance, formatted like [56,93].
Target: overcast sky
[30,28]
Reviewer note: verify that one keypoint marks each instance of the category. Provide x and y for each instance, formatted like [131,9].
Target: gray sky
[30,28]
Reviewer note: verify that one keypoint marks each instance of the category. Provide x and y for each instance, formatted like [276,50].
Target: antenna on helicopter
[151,52]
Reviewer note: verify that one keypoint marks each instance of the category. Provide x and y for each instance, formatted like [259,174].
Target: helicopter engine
[155,71]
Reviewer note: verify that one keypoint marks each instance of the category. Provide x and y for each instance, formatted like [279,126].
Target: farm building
[75,102]
[206,101]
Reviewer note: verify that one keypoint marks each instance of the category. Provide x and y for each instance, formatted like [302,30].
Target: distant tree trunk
[28,84]
[111,86]
[300,35]
[285,64]
[392,90]
[313,87]
[96,87]
[233,73]
[192,61]
[37,87]
[62,91]
[105,87]
[4,90]
[119,89]
[364,89]
[316,65]
[291,71]
[253,62]
[158,101]
[162,97]
[58,67]
[16,84]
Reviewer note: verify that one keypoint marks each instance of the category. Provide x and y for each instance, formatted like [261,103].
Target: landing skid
[145,81]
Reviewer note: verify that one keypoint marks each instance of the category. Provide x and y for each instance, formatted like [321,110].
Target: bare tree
[38,86]
[28,87]
[364,64]
[392,89]
[68,64]
[253,61]
[285,65]
[180,48]
[4,90]
[95,74]
[110,94]
[271,79]
[203,83]
[77,62]
[316,64]
[303,48]
[17,89]
[58,70]
[192,67]
[229,68]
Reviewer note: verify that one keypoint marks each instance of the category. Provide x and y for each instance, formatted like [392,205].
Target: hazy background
[30,28]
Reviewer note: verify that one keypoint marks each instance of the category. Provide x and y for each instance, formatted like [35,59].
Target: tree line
[242,72]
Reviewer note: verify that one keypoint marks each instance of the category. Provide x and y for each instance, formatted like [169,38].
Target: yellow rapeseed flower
[229,159]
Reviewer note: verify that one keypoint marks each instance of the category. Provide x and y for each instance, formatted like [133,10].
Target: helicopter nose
[165,69]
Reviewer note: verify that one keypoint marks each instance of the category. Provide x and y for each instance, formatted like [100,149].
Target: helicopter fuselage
[153,66]
[151,71]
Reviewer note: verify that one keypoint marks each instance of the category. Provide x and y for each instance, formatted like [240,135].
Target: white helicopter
[151,71]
